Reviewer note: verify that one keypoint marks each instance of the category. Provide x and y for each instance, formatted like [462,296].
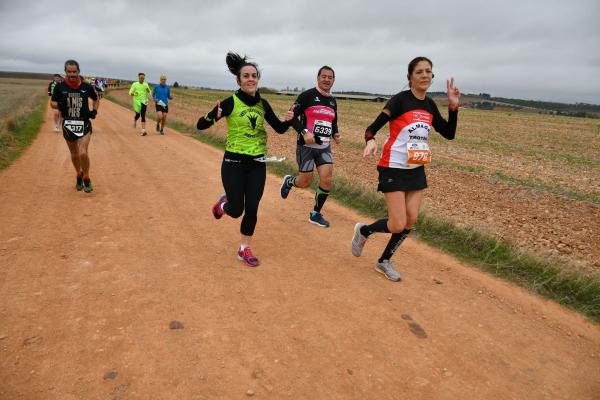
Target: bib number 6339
[418,153]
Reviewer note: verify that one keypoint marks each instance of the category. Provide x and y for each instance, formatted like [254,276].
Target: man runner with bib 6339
[317,110]
[71,98]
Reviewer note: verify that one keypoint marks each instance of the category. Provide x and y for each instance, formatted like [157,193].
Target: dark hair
[71,62]
[235,63]
[58,75]
[413,64]
[141,73]
[327,67]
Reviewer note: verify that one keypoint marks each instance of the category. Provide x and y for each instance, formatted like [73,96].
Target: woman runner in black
[411,115]
[242,172]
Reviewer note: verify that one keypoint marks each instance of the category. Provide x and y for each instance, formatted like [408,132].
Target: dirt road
[90,283]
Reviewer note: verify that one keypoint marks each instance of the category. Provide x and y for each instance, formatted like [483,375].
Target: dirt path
[90,283]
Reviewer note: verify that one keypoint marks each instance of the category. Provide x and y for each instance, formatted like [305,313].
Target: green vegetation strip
[21,133]
[544,277]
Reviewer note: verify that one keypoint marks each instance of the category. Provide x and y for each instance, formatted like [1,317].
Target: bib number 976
[418,153]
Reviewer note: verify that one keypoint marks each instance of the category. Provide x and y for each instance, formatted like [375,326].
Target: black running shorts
[73,132]
[163,109]
[401,180]
[308,157]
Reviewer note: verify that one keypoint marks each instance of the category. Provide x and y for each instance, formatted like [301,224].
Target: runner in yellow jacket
[140,91]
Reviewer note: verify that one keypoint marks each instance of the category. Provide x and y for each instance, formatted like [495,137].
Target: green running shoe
[79,183]
[87,186]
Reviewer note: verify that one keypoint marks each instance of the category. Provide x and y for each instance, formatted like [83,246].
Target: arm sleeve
[379,122]
[210,118]
[131,89]
[273,120]
[446,128]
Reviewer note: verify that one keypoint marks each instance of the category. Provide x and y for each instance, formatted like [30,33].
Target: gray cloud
[528,49]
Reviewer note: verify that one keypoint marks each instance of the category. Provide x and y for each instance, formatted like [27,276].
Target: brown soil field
[91,286]
[511,175]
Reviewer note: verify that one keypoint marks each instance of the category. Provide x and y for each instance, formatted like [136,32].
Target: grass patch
[543,277]
[19,131]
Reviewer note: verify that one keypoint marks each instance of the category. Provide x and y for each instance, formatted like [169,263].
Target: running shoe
[157,128]
[286,186]
[79,183]
[317,219]
[247,257]
[358,240]
[143,132]
[217,209]
[162,132]
[387,268]
[87,186]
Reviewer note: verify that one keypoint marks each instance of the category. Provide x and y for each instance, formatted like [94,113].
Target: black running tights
[244,183]
[142,112]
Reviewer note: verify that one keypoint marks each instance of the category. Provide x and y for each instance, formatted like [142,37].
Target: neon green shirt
[140,92]
[246,133]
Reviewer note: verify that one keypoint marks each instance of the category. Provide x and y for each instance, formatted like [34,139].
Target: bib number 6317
[418,153]
[75,126]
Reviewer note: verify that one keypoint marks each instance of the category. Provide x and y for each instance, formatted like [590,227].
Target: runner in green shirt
[140,92]
[243,171]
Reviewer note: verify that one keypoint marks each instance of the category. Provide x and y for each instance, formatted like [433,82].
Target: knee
[325,182]
[302,181]
[411,221]
[233,211]
[397,225]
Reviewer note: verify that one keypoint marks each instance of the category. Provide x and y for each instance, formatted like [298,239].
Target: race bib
[418,153]
[322,128]
[75,127]
[161,103]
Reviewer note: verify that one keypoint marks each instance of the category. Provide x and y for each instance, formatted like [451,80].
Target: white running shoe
[387,268]
[358,240]
[143,132]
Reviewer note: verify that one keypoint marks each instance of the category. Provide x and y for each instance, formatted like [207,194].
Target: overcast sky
[540,50]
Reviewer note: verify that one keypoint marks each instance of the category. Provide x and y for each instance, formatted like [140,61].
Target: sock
[395,242]
[378,226]
[320,198]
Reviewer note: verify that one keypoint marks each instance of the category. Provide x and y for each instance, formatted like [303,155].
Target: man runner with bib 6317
[71,98]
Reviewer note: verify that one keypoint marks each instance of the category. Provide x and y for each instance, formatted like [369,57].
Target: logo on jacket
[253,118]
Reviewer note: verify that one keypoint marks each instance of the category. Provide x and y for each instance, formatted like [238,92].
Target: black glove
[93,114]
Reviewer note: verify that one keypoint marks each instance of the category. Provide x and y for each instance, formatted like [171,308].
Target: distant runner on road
[71,98]
[56,79]
[161,95]
[317,110]
[242,172]
[140,92]
[411,116]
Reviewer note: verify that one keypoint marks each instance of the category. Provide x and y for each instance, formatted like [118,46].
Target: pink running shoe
[217,209]
[246,256]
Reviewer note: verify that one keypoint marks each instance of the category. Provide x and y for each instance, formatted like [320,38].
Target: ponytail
[235,63]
